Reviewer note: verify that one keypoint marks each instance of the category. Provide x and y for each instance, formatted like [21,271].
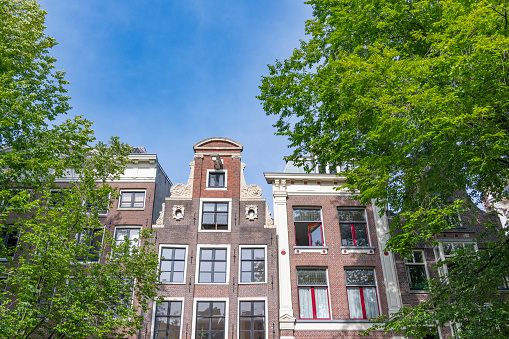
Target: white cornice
[303,176]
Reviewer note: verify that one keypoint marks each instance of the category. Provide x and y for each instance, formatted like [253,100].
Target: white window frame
[304,248]
[152,328]
[408,263]
[226,313]
[442,256]
[103,228]
[132,208]
[186,247]
[216,200]
[127,226]
[239,299]
[379,304]
[209,171]
[328,291]
[265,264]
[99,214]
[198,259]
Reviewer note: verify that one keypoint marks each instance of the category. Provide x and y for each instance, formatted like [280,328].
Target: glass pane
[259,253]
[360,277]
[259,266]
[205,277]
[178,277]
[174,334]
[259,308]
[134,234]
[321,302]
[206,254]
[219,277]
[222,208]
[311,277]
[166,265]
[206,266]
[245,277]
[175,308]
[217,324]
[417,277]
[370,302]
[315,232]
[351,215]
[245,324]
[165,277]
[259,276]
[202,324]
[245,335]
[220,266]
[258,323]
[220,179]
[222,218]
[218,308]
[121,234]
[305,303]
[246,254]
[203,309]
[447,248]
[209,207]
[160,327]
[208,218]
[259,335]
[346,235]
[180,253]
[361,235]
[217,335]
[220,254]
[418,257]
[301,235]
[306,215]
[167,253]
[178,266]
[245,308]
[246,266]
[212,180]
[354,303]
[162,308]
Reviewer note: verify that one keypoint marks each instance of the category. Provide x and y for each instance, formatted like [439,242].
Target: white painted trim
[264,299]
[215,246]
[154,315]
[126,190]
[186,247]
[240,264]
[334,326]
[228,200]
[211,170]
[226,314]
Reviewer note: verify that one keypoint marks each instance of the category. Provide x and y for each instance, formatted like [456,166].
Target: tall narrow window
[252,320]
[8,243]
[128,233]
[361,289]
[313,294]
[353,227]
[416,271]
[172,265]
[210,320]
[168,320]
[92,239]
[215,216]
[252,265]
[213,263]
[132,200]
[308,227]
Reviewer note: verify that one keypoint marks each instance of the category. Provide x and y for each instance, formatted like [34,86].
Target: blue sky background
[166,74]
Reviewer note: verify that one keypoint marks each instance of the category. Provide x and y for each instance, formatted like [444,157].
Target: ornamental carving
[178,212]
[181,191]
[160,219]
[251,191]
[251,212]
[236,157]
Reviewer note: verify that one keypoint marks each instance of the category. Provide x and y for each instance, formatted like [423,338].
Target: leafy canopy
[413,96]
[57,278]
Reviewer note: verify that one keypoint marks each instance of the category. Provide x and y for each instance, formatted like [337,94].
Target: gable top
[217,144]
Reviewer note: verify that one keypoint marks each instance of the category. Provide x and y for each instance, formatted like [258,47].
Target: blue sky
[166,74]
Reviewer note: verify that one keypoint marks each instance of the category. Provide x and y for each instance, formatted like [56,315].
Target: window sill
[130,208]
[334,320]
[418,292]
[252,283]
[171,283]
[357,249]
[310,249]
[213,231]
[216,188]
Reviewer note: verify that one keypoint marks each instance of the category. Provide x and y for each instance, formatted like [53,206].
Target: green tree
[57,279]
[412,97]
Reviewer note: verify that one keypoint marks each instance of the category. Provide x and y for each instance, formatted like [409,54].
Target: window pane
[208,218]
[361,235]
[219,277]
[245,308]
[259,335]
[246,277]
[370,302]
[447,248]
[259,266]
[311,277]
[246,266]
[220,266]
[160,327]
[417,277]
[165,277]
[217,324]
[220,254]
[259,308]
[175,308]
[222,219]
[209,207]
[322,302]
[180,253]
[206,266]
[206,254]
[245,324]
[305,303]
[315,232]
[259,253]
[218,308]
[162,308]
[166,265]
[178,277]
[203,309]
[346,235]
[306,215]
[360,277]
[246,254]
[301,235]
[258,323]
[222,208]
[351,215]
[354,303]
[122,234]
[418,257]
[205,277]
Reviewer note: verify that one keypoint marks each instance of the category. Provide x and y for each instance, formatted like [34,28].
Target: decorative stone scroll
[160,219]
[251,212]
[236,157]
[180,191]
[269,222]
[251,191]
[178,212]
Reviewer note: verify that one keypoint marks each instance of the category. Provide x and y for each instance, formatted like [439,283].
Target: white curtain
[354,303]
[370,302]
[322,302]
[305,303]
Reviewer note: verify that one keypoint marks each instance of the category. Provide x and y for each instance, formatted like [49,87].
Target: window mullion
[313,302]
[363,305]
[352,226]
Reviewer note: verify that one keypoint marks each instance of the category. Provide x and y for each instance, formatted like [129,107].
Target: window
[101,209]
[313,294]
[8,243]
[445,250]
[252,320]
[213,264]
[124,234]
[168,320]
[3,284]
[505,285]
[132,200]
[361,290]
[217,180]
[124,297]
[215,216]
[210,320]
[252,266]
[56,198]
[416,271]
[172,265]
[92,240]
[308,227]
[353,227]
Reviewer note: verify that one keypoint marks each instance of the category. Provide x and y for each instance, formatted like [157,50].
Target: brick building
[217,249]
[334,275]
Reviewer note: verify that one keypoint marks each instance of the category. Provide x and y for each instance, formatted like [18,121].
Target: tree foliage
[58,280]
[412,96]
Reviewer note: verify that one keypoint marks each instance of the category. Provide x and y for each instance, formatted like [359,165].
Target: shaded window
[92,239]
[132,199]
[215,216]
[252,265]
[8,243]
[217,179]
[308,227]
[168,320]
[353,227]
[124,234]
[213,263]
[210,320]
[362,296]
[313,294]
[252,320]
[416,271]
[172,265]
